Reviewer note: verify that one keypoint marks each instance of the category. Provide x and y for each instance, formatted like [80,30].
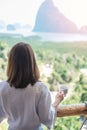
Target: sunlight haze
[24,11]
[75,10]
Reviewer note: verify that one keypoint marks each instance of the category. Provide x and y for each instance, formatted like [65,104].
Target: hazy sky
[24,11]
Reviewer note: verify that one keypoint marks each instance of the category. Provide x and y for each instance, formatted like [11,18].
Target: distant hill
[17,26]
[83,29]
[50,19]
[11,27]
[2,24]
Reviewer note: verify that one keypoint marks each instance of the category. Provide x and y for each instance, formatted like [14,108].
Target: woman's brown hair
[22,68]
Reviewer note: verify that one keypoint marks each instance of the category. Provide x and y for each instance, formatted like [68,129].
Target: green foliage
[67,123]
[4,125]
[84,97]
[3,59]
[3,46]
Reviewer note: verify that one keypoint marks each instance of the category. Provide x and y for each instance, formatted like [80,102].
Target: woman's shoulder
[41,86]
[3,85]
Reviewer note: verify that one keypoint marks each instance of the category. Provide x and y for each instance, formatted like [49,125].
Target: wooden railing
[72,110]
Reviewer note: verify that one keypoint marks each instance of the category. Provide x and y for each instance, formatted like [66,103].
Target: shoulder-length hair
[22,68]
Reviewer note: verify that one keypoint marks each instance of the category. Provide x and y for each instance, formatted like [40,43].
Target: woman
[24,100]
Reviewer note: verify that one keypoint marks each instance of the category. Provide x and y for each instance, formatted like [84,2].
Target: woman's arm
[46,110]
[2,113]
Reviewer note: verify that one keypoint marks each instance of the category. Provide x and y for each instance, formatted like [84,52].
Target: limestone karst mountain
[50,19]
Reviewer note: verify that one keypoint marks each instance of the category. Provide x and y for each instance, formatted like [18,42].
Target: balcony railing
[72,110]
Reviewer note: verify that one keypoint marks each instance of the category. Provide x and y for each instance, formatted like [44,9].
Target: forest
[60,63]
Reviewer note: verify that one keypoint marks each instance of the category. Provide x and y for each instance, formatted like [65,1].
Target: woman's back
[24,107]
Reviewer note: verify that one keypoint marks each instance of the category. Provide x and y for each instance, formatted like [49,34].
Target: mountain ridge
[50,19]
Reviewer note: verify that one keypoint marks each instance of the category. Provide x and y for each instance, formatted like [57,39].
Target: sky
[24,11]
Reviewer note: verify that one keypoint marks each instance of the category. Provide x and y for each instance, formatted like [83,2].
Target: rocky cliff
[50,19]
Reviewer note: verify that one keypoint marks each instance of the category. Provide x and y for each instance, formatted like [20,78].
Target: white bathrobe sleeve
[45,111]
[2,113]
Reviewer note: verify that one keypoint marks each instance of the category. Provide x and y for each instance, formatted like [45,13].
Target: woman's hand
[58,98]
